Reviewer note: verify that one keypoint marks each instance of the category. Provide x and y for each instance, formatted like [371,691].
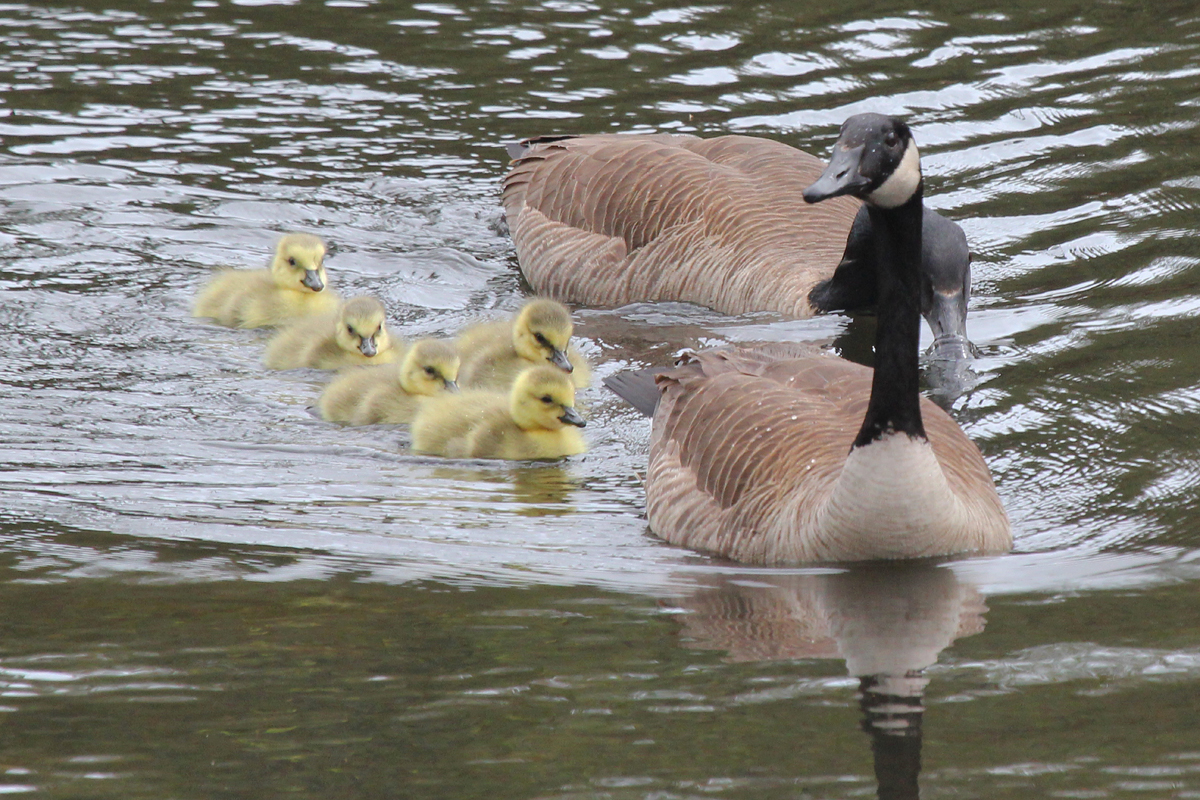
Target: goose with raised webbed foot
[775,455]
[612,219]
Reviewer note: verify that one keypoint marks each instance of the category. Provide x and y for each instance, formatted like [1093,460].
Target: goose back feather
[610,219]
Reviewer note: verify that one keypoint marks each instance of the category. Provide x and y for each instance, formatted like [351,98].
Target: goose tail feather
[637,387]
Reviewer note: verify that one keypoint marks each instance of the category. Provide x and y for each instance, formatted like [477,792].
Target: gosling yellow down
[495,353]
[390,393]
[295,285]
[537,419]
[354,335]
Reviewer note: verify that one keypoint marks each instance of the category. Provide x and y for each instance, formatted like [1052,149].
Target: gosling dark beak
[840,177]
[367,346]
[312,279]
[559,359]
[451,386]
[571,417]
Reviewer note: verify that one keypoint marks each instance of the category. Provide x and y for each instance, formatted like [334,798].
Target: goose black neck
[894,725]
[895,392]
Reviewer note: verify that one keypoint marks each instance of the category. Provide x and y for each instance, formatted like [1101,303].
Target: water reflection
[538,490]
[888,622]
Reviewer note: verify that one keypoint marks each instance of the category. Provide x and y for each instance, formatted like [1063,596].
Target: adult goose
[770,455]
[611,219]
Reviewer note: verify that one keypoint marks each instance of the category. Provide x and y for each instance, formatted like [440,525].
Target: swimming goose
[494,353]
[353,335]
[772,456]
[295,285]
[611,219]
[536,419]
[389,393]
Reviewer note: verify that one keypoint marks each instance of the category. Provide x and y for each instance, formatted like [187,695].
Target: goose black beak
[559,359]
[367,346]
[840,177]
[312,279]
[571,417]
[451,386]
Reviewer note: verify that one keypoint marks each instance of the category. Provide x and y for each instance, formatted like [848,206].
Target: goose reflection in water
[536,490]
[887,621]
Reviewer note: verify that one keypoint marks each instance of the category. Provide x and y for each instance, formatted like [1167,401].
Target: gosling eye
[292,261]
[541,339]
[350,329]
[547,399]
[431,372]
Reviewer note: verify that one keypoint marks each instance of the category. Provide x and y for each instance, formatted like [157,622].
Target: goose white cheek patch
[901,184]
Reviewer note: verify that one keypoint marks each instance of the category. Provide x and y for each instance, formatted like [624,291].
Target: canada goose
[494,353]
[355,334]
[754,453]
[611,219]
[389,393]
[536,419]
[293,286]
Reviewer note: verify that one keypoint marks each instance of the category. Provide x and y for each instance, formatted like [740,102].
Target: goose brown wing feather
[612,219]
[737,428]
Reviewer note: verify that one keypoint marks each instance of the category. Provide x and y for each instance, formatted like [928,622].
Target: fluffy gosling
[354,335]
[495,353]
[390,393]
[536,420]
[295,285]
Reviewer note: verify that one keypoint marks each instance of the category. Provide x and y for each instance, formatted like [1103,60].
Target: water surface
[209,592]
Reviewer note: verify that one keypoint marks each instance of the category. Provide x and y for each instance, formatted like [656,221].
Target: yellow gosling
[354,335]
[495,353]
[295,285]
[536,420]
[389,394]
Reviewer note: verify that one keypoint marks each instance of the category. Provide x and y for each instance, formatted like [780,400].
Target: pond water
[209,592]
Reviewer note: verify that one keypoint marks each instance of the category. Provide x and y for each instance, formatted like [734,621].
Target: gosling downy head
[542,331]
[544,397]
[360,326]
[299,263]
[430,366]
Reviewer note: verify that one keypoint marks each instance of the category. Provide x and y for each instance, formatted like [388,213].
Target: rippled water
[210,592]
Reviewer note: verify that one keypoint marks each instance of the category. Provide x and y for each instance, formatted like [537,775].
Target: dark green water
[208,592]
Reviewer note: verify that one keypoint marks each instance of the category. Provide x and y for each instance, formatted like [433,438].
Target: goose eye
[891,139]
[292,260]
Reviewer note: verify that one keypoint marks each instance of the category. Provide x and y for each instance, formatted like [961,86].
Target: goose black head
[875,159]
